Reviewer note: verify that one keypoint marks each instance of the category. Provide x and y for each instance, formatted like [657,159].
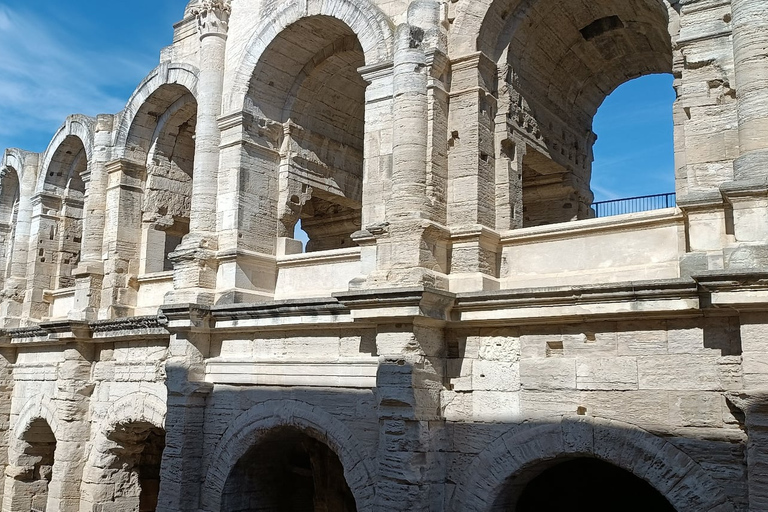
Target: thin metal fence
[633,205]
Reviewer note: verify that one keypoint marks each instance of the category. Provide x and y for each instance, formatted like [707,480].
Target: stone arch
[78,126]
[183,75]
[13,158]
[547,66]
[140,415]
[679,478]
[38,406]
[467,33]
[24,474]
[250,427]
[10,194]
[371,26]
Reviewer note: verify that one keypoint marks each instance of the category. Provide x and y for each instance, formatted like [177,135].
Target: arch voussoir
[673,473]
[247,430]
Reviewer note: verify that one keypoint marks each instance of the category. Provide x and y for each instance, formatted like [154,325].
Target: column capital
[212,17]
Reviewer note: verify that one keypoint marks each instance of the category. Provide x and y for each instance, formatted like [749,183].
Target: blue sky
[87,56]
[61,57]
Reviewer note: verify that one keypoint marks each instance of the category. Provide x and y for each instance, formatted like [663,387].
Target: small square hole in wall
[554,349]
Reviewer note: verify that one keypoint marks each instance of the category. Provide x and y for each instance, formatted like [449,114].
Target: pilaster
[412,244]
[411,375]
[89,274]
[7,360]
[122,237]
[72,396]
[181,470]
[194,275]
[754,405]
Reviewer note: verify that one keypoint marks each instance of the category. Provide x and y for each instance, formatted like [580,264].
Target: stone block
[619,373]
[548,373]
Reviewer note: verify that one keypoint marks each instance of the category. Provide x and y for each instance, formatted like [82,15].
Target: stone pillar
[182,466]
[409,382]
[409,169]
[748,193]
[43,245]
[412,246]
[194,259]
[122,238]
[72,396]
[247,208]
[7,360]
[472,174]
[750,40]
[471,134]
[14,291]
[754,405]
[89,274]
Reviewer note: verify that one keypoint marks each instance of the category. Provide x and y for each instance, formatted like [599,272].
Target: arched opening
[587,485]
[308,100]
[288,471]
[558,62]
[634,152]
[33,469]
[9,211]
[162,139]
[129,473]
[61,225]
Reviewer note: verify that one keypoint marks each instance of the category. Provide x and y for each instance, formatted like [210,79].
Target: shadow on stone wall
[253,443]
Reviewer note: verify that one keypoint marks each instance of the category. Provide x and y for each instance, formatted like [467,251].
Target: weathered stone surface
[458,322]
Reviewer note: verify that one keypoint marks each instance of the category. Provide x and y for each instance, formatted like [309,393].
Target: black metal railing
[633,205]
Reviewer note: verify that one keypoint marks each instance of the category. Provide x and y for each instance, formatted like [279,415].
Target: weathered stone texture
[458,323]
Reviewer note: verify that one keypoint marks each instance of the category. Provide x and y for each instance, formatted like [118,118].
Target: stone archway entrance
[585,485]
[497,475]
[31,469]
[288,471]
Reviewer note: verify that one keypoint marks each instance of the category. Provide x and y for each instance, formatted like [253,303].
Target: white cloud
[45,76]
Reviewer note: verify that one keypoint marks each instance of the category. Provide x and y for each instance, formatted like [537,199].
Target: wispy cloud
[45,75]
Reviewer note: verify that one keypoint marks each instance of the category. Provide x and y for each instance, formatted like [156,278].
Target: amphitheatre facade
[461,332]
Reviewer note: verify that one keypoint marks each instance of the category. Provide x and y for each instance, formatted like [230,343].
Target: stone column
[412,243]
[182,465]
[194,259]
[750,40]
[16,284]
[748,193]
[89,274]
[72,396]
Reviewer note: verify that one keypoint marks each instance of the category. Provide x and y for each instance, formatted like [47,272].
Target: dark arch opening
[288,471]
[61,232]
[589,485]
[35,467]
[162,140]
[134,469]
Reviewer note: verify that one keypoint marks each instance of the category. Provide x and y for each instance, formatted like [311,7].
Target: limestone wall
[458,324]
